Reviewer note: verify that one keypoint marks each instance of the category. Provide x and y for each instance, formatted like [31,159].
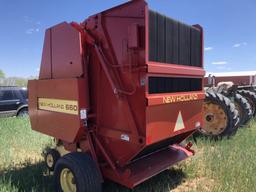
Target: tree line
[13,81]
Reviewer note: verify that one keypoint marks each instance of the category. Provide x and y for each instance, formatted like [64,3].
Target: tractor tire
[51,158]
[251,98]
[77,172]
[244,109]
[221,116]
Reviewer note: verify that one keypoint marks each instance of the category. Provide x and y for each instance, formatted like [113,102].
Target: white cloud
[33,24]
[240,44]
[32,30]
[208,48]
[219,63]
[237,45]
[37,69]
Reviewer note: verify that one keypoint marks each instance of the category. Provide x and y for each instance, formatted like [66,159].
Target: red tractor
[119,93]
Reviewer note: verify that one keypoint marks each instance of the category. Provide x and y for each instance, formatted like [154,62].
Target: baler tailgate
[149,166]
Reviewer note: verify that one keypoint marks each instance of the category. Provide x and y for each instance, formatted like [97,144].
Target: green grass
[227,165]
[21,167]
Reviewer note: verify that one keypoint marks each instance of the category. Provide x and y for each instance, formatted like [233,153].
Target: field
[227,165]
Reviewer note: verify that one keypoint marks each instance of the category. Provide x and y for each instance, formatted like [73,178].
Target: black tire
[244,109]
[86,174]
[51,158]
[23,112]
[230,116]
[251,98]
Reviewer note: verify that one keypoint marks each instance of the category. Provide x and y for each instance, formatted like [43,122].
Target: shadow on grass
[163,182]
[27,178]
[31,178]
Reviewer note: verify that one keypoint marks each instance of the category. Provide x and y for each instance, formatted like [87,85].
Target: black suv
[13,101]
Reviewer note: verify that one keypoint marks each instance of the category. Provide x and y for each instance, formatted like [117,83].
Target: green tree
[21,82]
[2,75]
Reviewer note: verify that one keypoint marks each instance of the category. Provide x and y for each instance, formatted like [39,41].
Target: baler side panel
[163,119]
[67,52]
[52,119]
[62,54]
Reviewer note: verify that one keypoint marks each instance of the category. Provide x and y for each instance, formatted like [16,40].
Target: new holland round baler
[119,92]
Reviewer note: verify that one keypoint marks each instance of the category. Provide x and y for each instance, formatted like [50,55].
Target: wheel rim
[67,181]
[49,160]
[216,119]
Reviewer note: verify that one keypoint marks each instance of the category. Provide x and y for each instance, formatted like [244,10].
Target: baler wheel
[251,98]
[244,108]
[51,158]
[221,117]
[77,172]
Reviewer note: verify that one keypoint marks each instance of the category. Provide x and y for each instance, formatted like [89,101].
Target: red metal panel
[158,99]
[161,68]
[133,35]
[242,80]
[162,119]
[66,127]
[46,63]
[66,51]
[62,53]
[125,114]
[149,166]
[237,80]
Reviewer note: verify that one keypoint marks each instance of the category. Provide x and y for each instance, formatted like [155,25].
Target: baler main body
[125,85]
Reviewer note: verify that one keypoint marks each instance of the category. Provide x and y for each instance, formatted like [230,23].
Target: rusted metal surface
[109,77]
[216,119]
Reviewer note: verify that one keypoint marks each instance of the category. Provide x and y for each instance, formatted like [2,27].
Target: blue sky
[230,29]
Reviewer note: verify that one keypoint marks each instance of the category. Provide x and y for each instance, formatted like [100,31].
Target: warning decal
[58,105]
[179,123]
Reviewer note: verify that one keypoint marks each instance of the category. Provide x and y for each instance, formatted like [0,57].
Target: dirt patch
[197,184]
[20,156]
